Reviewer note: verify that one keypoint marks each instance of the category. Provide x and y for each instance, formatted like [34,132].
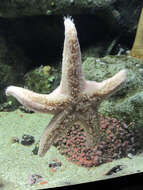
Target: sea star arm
[72,80]
[90,123]
[51,103]
[56,128]
[107,87]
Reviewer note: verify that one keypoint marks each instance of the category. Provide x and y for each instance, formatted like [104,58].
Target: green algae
[43,79]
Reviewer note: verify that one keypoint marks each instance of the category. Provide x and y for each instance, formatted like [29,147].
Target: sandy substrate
[18,162]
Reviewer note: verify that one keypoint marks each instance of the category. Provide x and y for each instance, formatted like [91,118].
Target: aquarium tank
[71,92]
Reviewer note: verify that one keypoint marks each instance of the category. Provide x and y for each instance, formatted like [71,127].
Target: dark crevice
[41,37]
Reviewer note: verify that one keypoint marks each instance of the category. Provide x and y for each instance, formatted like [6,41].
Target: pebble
[14,140]
[130,155]
[34,178]
[35,149]
[114,170]
[55,164]
[27,140]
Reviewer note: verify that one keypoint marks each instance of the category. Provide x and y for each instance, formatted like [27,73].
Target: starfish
[75,100]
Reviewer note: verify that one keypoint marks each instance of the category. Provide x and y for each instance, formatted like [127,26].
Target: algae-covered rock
[126,103]
[12,67]
[43,79]
[25,7]
[109,10]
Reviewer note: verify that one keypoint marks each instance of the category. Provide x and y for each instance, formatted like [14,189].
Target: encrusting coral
[75,100]
[137,49]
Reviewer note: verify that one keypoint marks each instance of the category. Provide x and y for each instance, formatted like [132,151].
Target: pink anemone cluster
[118,140]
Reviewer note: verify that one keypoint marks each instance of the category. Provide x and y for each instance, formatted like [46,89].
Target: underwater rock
[127,102]
[14,140]
[55,164]
[35,149]
[114,11]
[27,139]
[18,8]
[34,178]
[115,169]
[43,79]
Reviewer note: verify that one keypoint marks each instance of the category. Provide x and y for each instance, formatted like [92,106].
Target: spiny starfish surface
[74,100]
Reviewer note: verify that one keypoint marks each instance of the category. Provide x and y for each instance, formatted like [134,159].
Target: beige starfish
[75,100]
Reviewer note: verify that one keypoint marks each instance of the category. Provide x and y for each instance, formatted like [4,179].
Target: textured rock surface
[43,79]
[126,103]
[33,7]
[113,9]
